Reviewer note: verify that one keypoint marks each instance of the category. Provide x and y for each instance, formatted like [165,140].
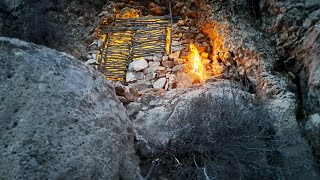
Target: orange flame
[197,67]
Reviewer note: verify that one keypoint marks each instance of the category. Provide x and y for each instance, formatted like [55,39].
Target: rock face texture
[9,5]
[65,25]
[295,28]
[312,130]
[59,119]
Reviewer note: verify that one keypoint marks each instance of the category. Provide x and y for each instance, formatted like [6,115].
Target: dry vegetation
[225,138]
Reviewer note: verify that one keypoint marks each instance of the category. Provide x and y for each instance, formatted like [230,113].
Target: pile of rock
[157,71]
[94,51]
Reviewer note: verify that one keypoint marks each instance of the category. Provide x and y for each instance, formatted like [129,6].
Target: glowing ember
[196,66]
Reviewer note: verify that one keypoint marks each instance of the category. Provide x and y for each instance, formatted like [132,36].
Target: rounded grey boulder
[59,119]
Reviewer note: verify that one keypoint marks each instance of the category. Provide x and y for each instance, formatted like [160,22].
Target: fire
[196,65]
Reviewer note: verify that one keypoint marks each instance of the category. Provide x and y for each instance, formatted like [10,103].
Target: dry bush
[223,138]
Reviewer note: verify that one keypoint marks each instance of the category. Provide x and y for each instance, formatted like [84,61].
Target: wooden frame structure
[129,39]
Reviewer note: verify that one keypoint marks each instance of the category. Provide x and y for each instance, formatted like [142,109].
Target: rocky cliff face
[65,25]
[294,27]
[59,119]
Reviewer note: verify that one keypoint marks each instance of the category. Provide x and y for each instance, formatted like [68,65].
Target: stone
[177,48]
[178,61]
[184,28]
[130,76]
[206,44]
[159,84]
[172,85]
[90,61]
[123,99]
[174,55]
[175,43]
[165,58]
[193,28]
[133,108]
[181,23]
[60,119]
[157,57]
[99,42]
[184,55]
[175,36]
[166,87]
[178,68]
[187,36]
[155,9]
[313,122]
[143,148]
[141,85]
[198,44]
[172,78]
[176,39]
[120,90]
[161,73]
[312,3]
[150,75]
[139,116]
[93,47]
[130,97]
[153,69]
[94,56]
[139,75]
[168,64]
[148,58]
[94,52]
[89,56]
[199,36]
[154,64]
[187,41]
[134,92]
[172,82]
[138,65]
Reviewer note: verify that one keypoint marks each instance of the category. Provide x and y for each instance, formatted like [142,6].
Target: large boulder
[59,119]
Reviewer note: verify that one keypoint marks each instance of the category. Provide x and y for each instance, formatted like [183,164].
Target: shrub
[223,137]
